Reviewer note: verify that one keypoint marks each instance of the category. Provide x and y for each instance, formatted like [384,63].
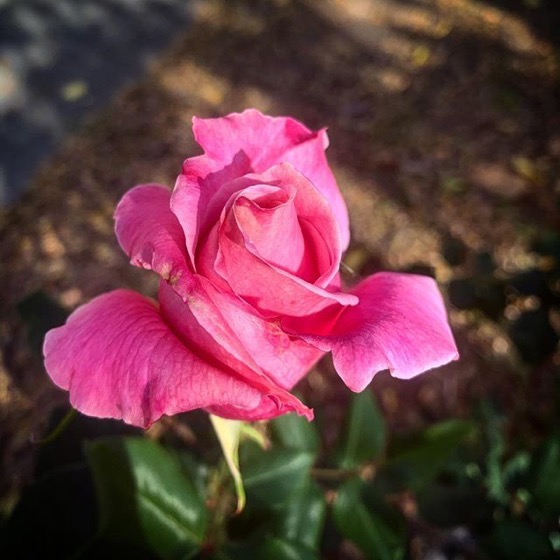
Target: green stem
[62,425]
[367,472]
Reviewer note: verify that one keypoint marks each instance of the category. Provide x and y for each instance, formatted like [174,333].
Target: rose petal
[149,232]
[264,139]
[268,219]
[119,359]
[316,219]
[268,141]
[400,324]
[227,254]
[229,330]
[310,160]
[272,291]
[201,179]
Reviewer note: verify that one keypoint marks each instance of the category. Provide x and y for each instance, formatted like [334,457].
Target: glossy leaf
[415,460]
[145,497]
[302,518]
[377,535]
[295,432]
[272,477]
[544,478]
[495,442]
[364,436]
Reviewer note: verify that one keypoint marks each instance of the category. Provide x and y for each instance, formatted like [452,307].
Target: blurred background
[62,61]
[444,123]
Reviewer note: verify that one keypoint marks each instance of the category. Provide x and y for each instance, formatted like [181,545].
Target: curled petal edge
[400,324]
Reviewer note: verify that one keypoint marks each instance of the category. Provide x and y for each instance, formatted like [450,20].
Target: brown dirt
[443,118]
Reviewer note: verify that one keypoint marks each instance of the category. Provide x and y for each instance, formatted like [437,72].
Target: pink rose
[248,247]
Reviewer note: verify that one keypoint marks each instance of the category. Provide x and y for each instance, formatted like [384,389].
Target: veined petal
[220,325]
[400,324]
[149,232]
[156,242]
[119,359]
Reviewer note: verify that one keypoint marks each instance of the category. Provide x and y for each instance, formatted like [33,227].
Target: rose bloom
[248,247]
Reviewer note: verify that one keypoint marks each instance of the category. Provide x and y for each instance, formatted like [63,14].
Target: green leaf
[514,469]
[146,498]
[295,432]
[495,479]
[415,460]
[544,478]
[229,433]
[303,517]
[365,432]
[378,534]
[271,477]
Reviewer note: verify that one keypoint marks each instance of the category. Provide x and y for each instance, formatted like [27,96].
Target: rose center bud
[267,218]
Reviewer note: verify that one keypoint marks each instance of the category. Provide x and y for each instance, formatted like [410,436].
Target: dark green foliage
[543,480]
[295,432]
[147,498]
[515,540]
[272,477]
[473,492]
[365,518]
[415,460]
[365,432]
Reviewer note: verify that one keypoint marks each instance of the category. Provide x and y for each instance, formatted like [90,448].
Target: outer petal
[268,141]
[244,340]
[149,232]
[310,160]
[119,359]
[400,324]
